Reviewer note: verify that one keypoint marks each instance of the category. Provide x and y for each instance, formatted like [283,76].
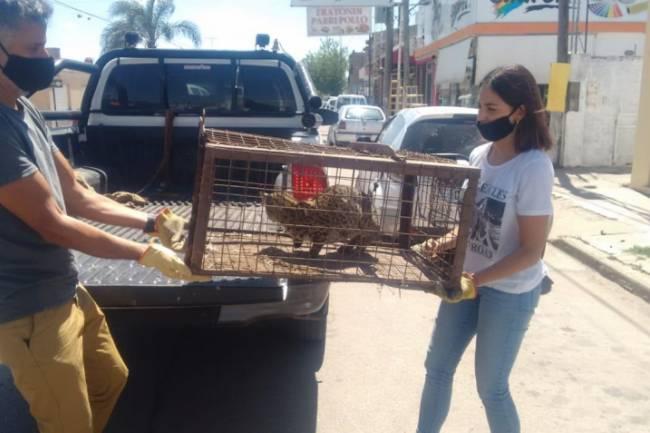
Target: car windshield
[453,135]
[363,113]
[391,131]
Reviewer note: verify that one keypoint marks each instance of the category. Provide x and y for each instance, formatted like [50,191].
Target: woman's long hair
[518,88]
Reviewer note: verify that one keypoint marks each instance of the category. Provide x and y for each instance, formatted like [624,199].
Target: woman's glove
[467,290]
[168,263]
[170,228]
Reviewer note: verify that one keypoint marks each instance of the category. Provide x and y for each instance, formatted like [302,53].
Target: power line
[76,9]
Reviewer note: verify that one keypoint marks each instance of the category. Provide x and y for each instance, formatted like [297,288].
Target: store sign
[338,21]
[310,3]
[547,10]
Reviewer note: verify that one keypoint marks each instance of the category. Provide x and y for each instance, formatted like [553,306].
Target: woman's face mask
[27,73]
[497,129]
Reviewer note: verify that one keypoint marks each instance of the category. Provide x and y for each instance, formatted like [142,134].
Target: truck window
[265,90]
[64,94]
[197,86]
[133,89]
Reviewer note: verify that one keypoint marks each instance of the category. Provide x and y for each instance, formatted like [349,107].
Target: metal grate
[270,207]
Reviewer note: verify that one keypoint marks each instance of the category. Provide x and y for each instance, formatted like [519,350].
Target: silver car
[357,123]
[448,132]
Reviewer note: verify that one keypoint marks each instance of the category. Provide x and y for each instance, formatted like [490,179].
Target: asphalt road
[583,368]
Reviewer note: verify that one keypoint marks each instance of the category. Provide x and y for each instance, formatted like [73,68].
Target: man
[53,336]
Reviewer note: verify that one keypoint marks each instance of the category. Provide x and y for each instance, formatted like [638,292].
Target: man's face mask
[29,74]
[498,128]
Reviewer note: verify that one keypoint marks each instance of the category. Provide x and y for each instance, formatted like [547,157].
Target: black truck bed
[126,284]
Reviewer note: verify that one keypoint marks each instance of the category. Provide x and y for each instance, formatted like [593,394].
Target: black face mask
[498,128]
[29,74]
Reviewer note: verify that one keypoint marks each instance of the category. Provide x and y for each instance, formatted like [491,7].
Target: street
[583,368]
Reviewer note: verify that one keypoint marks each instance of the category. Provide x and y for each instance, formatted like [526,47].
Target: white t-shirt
[521,186]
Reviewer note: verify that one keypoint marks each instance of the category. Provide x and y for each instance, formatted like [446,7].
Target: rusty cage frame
[216,146]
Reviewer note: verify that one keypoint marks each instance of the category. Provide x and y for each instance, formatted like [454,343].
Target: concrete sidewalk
[605,224]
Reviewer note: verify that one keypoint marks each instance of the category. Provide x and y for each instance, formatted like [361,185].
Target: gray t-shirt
[34,274]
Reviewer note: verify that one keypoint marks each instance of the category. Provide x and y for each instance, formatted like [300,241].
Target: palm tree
[151,21]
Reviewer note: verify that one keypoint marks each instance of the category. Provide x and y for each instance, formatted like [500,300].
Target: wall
[601,132]
[534,52]
[444,17]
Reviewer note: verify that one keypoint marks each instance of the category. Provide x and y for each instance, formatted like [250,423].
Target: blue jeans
[499,320]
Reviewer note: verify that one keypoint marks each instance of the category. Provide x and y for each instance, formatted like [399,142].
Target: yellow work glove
[168,263]
[170,228]
[467,290]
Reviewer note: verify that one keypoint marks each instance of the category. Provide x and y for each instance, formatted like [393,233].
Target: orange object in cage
[307,181]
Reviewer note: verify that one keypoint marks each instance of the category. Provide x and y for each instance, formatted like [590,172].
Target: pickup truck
[137,131]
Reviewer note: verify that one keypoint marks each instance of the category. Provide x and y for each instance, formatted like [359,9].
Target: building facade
[460,41]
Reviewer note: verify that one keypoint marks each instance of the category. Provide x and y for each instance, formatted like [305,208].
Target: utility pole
[563,32]
[388,59]
[371,40]
[641,163]
[400,45]
[558,120]
[406,58]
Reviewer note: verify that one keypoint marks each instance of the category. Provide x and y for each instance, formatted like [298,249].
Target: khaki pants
[65,364]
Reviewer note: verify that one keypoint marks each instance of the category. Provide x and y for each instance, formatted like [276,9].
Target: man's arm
[86,203]
[31,200]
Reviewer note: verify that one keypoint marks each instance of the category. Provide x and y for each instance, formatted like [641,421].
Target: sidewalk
[602,222]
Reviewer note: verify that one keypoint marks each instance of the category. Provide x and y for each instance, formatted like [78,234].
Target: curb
[579,249]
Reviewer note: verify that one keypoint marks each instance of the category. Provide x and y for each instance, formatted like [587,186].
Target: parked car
[330,103]
[448,132]
[357,123]
[342,100]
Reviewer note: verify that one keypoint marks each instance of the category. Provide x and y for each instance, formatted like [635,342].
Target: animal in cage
[337,214]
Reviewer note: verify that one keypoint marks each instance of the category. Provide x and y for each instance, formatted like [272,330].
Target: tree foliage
[151,20]
[328,67]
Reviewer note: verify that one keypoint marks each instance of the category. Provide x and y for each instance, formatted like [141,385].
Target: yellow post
[641,163]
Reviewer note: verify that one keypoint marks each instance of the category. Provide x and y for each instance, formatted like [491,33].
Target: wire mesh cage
[270,207]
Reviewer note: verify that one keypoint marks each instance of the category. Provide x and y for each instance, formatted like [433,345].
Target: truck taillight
[342,125]
[307,181]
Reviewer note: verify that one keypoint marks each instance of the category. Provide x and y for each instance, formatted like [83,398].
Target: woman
[506,241]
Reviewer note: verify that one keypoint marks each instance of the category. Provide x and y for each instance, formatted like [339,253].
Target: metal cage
[268,207]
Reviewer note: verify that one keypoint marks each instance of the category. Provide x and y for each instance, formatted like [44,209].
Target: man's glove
[168,263]
[170,228]
[467,290]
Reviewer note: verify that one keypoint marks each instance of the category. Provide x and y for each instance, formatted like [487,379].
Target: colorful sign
[616,9]
[338,21]
[600,8]
[311,3]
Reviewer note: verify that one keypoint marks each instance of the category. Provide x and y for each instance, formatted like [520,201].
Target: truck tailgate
[126,284]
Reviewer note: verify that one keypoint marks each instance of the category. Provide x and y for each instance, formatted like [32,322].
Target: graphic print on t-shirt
[486,228]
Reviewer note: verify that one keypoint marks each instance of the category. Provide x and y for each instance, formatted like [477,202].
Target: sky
[224,24]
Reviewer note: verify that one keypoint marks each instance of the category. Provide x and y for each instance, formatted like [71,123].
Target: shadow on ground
[234,380]
[565,181]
